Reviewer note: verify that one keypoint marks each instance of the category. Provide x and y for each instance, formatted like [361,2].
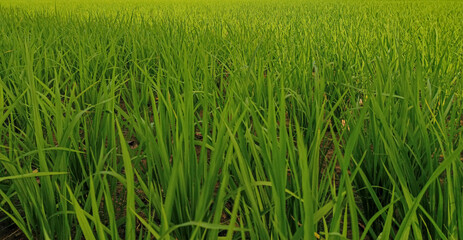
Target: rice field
[236,119]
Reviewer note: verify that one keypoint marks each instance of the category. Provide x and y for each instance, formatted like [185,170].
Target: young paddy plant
[235,120]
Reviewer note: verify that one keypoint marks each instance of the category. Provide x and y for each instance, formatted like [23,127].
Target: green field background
[231,119]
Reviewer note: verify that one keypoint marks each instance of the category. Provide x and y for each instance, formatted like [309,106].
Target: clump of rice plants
[240,119]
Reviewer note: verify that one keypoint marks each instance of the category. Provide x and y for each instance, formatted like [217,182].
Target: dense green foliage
[237,120]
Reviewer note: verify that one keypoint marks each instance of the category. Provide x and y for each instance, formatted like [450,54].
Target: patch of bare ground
[9,231]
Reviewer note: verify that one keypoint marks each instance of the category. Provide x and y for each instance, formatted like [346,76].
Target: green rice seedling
[153,119]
